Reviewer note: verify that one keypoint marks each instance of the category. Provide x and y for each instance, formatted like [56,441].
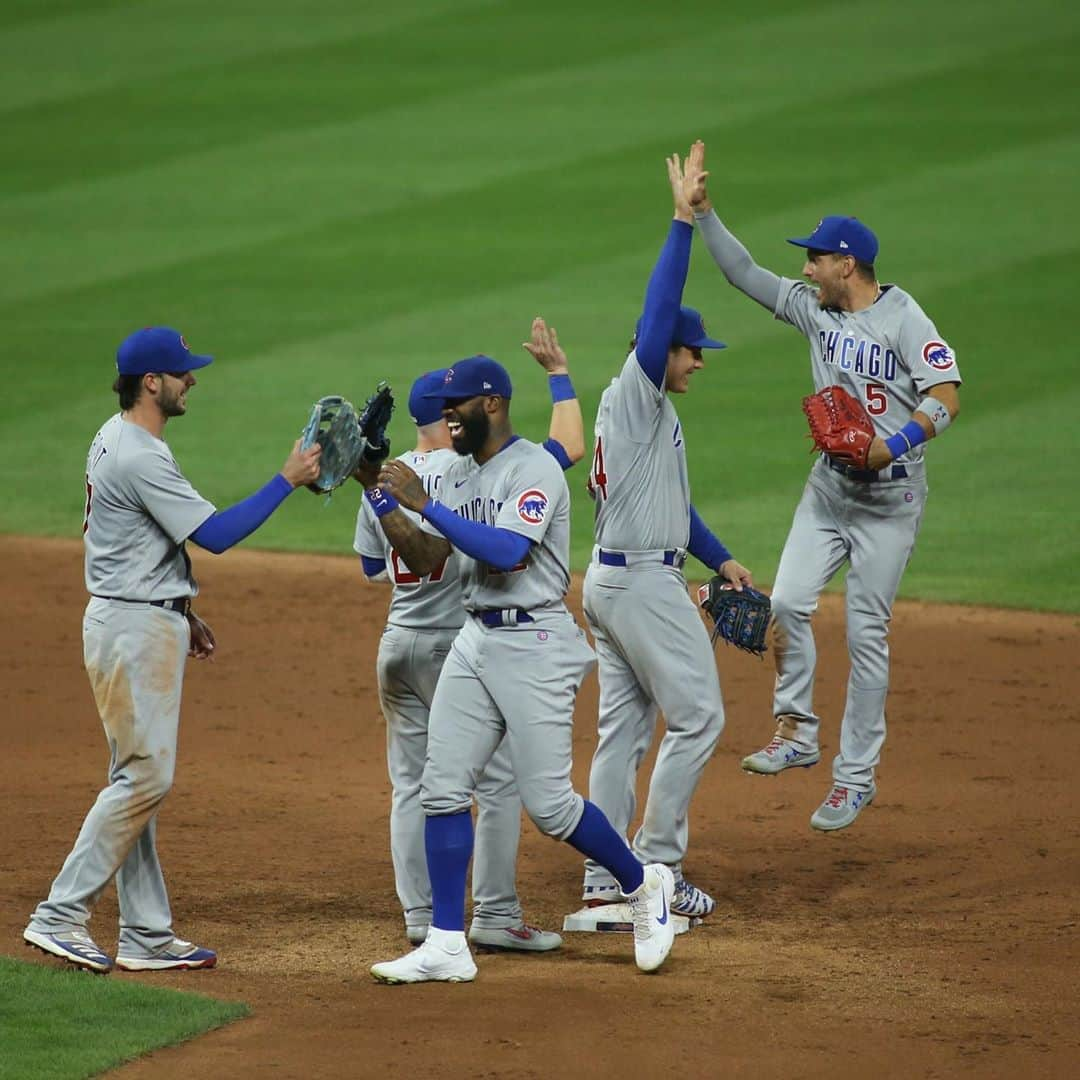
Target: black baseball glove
[372,422]
[740,618]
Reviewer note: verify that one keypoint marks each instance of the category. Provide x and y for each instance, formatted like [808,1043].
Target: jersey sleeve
[368,540]
[533,489]
[167,496]
[635,403]
[926,353]
[797,305]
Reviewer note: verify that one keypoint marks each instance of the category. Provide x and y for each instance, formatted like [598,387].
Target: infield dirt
[936,937]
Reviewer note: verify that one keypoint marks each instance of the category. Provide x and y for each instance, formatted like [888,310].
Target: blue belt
[617,558]
[866,476]
[494,617]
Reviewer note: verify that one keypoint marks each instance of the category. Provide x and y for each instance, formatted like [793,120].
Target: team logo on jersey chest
[938,355]
[532,506]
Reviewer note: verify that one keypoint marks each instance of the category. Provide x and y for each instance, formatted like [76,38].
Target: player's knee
[787,609]
[554,815]
[437,801]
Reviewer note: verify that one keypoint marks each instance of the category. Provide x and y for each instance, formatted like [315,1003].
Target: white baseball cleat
[779,755]
[74,946]
[650,908]
[840,808]
[432,962]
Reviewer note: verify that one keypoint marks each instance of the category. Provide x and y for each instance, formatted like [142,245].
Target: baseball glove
[840,426]
[373,420]
[740,618]
[347,438]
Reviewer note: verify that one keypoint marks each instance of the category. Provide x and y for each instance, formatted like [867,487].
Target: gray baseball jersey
[139,511]
[522,489]
[888,355]
[638,478]
[431,601]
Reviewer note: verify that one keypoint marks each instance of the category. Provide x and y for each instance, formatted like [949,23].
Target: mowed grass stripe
[224,199]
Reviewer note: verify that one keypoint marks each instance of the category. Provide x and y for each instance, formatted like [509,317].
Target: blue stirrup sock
[595,838]
[448,842]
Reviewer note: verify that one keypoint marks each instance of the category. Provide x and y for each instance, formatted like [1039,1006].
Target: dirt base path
[937,937]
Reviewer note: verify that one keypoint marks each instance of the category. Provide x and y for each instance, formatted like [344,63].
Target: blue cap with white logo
[689,330]
[424,410]
[470,378]
[842,236]
[157,348]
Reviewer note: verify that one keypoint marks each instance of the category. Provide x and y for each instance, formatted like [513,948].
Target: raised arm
[733,259]
[663,295]
[566,436]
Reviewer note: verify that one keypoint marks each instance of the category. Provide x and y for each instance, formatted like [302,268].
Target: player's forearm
[704,545]
[933,415]
[736,263]
[567,429]
[662,299]
[420,551]
[222,530]
[499,548]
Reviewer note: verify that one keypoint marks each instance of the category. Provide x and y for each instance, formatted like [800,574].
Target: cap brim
[707,343]
[195,361]
[803,243]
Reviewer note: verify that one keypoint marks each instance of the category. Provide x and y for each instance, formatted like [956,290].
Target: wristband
[907,438]
[382,502]
[562,389]
[936,413]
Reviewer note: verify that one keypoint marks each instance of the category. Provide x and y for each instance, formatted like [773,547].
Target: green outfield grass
[66,1024]
[325,194]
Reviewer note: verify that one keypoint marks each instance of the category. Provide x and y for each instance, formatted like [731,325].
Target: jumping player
[513,670]
[138,630]
[653,648]
[425,616]
[876,342]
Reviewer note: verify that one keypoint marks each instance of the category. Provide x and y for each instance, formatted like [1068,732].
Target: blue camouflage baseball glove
[740,618]
[333,425]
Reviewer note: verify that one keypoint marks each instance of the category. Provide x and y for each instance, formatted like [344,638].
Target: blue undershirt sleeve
[662,299]
[220,531]
[704,545]
[499,548]
[558,452]
[372,567]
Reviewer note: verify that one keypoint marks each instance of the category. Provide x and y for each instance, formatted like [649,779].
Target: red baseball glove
[840,425]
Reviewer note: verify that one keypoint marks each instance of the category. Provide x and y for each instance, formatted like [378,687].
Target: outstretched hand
[545,348]
[302,466]
[683,212]
[694,179]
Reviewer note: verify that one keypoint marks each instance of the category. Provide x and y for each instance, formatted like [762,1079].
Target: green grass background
[326,193]
[64,1024]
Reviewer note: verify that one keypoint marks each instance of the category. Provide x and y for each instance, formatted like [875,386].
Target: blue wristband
[562,389]
[382,502]
[907,438]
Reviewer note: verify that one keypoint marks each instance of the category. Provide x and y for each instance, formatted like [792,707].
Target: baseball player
[876,342]
[424,617]
[654,651]
[513,670]
[138,629]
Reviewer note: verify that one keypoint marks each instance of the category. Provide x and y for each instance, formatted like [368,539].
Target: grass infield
[62,1024]
[329,194]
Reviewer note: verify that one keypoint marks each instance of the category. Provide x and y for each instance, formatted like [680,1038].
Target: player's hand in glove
[740,615]
[840,426]
[374,418]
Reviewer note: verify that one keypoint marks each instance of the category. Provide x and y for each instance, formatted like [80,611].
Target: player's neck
[862,295]
[147,415]
[498,438]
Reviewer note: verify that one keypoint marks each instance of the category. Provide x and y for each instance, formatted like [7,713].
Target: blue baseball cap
[422,410]
[842,236]
[157,348]
[471,377]
[689,330]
